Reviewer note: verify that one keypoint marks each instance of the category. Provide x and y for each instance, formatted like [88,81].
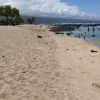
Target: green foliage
[10,15]
[7,10]
[15,12]
[1,10]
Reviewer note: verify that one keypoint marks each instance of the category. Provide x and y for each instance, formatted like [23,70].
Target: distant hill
[47,20]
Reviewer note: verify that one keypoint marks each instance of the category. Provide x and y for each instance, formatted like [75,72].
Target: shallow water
[89,34]
[94,39]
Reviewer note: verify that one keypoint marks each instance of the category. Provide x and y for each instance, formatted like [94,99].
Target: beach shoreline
[38,64]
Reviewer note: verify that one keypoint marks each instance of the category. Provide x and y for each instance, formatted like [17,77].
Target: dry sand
[48,68]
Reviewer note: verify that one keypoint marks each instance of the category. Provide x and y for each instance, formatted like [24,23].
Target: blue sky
[89,6]
[79,9]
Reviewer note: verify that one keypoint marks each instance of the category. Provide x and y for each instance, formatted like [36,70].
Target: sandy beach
[36,64]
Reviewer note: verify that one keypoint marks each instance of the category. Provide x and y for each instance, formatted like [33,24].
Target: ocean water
[89,34]
[46,20]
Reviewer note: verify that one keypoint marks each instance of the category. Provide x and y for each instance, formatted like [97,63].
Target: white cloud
[49,8]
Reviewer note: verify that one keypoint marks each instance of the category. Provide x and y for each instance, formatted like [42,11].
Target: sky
[79,9]
[90,6]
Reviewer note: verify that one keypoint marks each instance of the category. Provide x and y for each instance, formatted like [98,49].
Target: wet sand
[48,68]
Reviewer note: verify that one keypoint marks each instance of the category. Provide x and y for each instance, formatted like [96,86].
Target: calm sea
[45,20]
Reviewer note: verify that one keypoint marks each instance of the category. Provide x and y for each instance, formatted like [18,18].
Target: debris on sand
[96,85]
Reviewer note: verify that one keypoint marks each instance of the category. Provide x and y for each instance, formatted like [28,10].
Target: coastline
[38,64]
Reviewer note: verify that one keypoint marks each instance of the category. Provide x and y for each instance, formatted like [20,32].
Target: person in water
[84,35]
[98,29]
[93,29]
[88,29]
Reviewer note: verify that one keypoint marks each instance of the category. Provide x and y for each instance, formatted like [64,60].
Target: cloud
[54,8]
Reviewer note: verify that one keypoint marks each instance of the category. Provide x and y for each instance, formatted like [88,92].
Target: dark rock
[69,33]
[3,56]
[93,51]
[39,36]
[24,72]
[93,35]
[59,33]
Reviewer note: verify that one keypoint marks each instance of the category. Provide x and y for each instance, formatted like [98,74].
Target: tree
[1,10]
[14,12]
[18,19]
[11,15]
[7,12]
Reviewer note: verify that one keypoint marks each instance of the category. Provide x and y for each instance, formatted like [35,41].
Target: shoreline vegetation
[10,16]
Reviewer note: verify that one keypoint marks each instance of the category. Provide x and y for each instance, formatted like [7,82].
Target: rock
[93,35]
[3,56]
[96,85]
[59,33]
[69,33]
[93,51]
[39,36]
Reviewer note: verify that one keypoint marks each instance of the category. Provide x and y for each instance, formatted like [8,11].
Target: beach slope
[36,64]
